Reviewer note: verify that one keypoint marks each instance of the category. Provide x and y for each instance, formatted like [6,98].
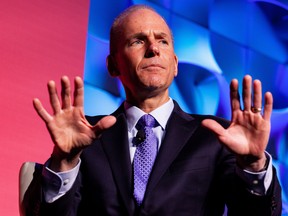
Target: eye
[164,41]
[136,42]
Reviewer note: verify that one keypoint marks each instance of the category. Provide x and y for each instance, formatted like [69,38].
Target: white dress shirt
[160,114]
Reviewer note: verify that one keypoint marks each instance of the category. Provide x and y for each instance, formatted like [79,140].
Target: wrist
[253,164]
[63,162]
[62,165]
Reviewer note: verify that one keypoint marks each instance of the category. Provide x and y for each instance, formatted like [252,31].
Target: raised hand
[68,128]
[247,136]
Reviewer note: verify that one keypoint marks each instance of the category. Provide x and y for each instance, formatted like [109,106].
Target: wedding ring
[256,110]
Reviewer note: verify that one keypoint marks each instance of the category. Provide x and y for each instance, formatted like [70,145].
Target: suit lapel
[179,129]
[116,147]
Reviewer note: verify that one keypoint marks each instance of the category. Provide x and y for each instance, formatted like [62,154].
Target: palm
[248,134]
[68,128]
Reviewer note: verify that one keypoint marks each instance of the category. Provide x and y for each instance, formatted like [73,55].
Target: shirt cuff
[257,182]
[56,184]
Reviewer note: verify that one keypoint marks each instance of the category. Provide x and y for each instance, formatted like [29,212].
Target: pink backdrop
[39,40]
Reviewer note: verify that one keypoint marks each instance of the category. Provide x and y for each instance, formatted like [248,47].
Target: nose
[152,50]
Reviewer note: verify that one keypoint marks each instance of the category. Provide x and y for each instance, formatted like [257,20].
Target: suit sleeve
[243,202]
[236,194]
[34,203]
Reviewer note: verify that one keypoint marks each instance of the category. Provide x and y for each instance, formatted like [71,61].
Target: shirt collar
[161,114]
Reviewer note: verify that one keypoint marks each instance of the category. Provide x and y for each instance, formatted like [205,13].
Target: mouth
[153,66]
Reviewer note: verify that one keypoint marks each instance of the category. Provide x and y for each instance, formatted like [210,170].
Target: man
[203,162]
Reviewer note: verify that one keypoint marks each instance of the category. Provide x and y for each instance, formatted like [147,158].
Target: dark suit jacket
[193,175]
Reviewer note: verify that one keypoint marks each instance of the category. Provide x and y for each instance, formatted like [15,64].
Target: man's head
[116,27]
[142,53]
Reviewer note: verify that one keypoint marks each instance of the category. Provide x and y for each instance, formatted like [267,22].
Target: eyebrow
[143,35]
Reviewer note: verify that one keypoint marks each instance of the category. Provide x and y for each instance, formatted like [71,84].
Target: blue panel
[196,10]
[260,31]
[230,56]
[96,72]
[175,93]
[192,44]
[273,76]
[192,82]
[248,26]
[100,101]
[282,83]
[229,19]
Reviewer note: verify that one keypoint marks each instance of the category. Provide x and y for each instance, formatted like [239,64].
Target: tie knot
[146,120]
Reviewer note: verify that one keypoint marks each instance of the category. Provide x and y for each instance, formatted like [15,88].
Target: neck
[148,104]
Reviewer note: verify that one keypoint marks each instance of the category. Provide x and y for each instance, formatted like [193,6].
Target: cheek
[125,61]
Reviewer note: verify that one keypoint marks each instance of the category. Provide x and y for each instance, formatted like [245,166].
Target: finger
[257,94]
[65,92]
[105,123]
[78,92]
[54,100]
[246,92]
[214,126]
[268,106]
[219,131]
[234,95]
[44,115]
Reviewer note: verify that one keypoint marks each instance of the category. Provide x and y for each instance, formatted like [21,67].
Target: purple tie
[144,156]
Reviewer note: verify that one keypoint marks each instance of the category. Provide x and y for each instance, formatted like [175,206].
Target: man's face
[145,59]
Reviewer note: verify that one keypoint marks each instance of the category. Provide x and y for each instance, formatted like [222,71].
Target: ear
[176,66]
[112,66]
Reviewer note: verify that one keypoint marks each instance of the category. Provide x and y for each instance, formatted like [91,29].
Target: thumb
[105,123]
[213,126]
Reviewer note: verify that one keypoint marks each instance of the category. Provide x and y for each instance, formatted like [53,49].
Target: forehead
[144,20]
